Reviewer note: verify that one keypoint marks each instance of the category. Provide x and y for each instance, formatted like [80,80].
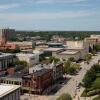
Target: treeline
[48,34]
[91,75]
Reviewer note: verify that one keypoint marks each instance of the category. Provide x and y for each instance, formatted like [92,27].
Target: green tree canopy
[64,96]
[67,65]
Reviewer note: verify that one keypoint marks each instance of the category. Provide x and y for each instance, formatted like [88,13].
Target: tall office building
[6,35]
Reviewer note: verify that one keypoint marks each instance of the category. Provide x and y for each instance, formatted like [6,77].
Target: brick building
[38,81]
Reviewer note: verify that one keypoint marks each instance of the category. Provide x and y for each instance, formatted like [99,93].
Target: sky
[59,15]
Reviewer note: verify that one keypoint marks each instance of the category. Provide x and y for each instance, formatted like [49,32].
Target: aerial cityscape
[49,50]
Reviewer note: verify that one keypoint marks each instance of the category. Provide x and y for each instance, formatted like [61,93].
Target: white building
[92,40]
[81,46]
[9,92]
[31,59]
[95,36]
[69,54]
[77,45]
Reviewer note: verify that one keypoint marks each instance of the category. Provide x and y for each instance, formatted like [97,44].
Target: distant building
[92,40]
[6,35]
[52,51]
[95,36]
[9,92]
[31,59]
[55,45]
[5,60]
[57,38]
[77,45]
[25,45]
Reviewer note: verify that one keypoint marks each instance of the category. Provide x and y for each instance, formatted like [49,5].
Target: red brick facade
[38,83]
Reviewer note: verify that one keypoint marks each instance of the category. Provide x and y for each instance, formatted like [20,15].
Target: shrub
[64,97]
[94,92]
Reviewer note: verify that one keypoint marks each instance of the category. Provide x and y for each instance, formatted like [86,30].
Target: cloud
[44,15]
[19,3]
[58,1]
[7,6]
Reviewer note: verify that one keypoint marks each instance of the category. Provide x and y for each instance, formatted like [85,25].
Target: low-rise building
[52,51]
[14,78]
[22,45]
[80,46]
[57,69]
[31,59]
[5,60]
[38,81]
[69,54]
[55,45]
[92,40]
[9,92]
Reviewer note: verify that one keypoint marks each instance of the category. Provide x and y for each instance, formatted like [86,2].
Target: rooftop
[5,54]
[37,73]
[53,49]
[7,88]
[26,54]
[69,52]
[41,72]
[54,43]
[40,67]
[16,76]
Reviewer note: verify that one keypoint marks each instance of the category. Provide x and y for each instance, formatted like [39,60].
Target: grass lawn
[97,98]
[98,74]
[84,94]
[96,83]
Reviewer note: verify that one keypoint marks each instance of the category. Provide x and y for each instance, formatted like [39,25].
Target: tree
[64,96]
[71,70]
[88,57]
[72,59]
[96,47]
[89,77]
[17,50]
[51,59]
[67,65]
[76,66]
[24,63]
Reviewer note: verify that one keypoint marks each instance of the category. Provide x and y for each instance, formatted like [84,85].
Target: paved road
[70,87]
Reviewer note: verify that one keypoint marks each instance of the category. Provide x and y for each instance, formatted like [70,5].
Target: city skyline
[67,15]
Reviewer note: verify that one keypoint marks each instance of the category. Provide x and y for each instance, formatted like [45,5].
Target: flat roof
[75,48]
[5,89]
[54,43]
[5,55]
[53,49]
[26,54]
[69,52]
[37,73]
